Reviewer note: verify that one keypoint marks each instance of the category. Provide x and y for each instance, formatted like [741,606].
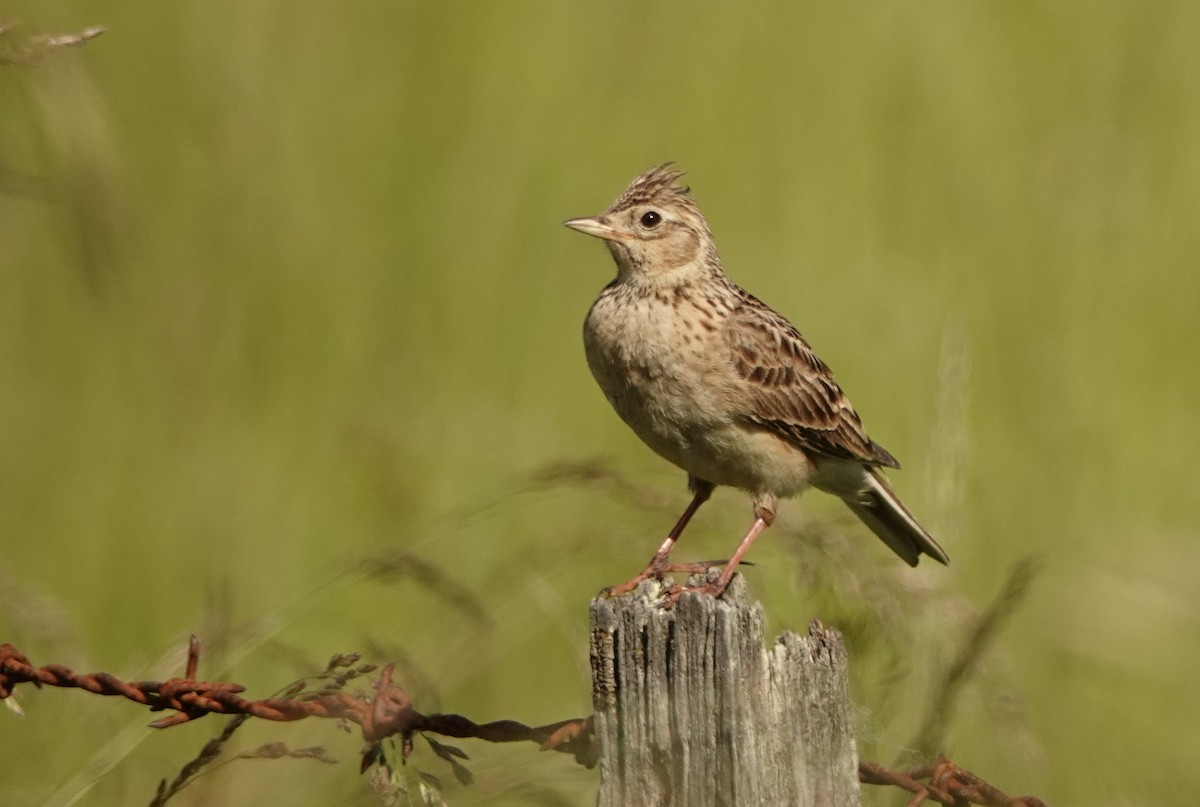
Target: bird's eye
[650,219]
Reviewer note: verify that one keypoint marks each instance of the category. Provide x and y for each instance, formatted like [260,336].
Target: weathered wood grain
[692,709]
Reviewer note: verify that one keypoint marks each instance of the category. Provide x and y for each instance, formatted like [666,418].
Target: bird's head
[654,230]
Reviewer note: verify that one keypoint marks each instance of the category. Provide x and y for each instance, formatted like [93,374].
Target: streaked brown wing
[790,391]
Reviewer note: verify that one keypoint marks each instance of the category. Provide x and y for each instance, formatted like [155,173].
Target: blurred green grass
[282,288]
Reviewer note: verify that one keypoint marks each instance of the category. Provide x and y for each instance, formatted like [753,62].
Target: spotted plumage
[719,383]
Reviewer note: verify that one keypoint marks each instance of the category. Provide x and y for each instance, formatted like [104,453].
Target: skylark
[720,384]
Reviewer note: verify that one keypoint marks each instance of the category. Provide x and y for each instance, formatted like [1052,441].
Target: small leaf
[371,755]
[293,689]
[462,774]
[314,752]
[445,751]
[342,660]
[266,751]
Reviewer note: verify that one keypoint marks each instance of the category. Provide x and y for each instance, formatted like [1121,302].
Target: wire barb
[947,784]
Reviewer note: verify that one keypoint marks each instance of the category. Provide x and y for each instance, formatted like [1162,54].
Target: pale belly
[674,393]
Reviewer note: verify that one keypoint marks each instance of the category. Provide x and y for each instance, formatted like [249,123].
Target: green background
[286,311]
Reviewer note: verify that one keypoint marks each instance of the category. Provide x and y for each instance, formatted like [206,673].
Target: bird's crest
[659,185]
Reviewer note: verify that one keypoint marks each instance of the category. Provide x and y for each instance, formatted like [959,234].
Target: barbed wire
[947,784]
[390,713]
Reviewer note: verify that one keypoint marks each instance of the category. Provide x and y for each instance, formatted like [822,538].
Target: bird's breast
[654,359]
[664,365]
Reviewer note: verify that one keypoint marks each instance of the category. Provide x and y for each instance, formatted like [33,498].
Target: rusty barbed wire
[947,784]
[391,714]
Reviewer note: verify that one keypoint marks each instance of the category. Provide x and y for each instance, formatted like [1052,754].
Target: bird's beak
[597,226]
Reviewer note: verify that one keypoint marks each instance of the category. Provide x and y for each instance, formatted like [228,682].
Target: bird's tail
[881,509]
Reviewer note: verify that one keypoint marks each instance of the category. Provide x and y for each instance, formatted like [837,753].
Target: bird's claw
[707,579]
[658,570]
[675,592]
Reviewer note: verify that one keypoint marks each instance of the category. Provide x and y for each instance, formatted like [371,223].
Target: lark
[722,385]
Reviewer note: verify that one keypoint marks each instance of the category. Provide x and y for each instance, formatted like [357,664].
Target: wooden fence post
[691,709]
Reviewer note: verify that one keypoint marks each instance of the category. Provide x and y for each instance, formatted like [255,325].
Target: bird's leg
[764,516]
[660,564]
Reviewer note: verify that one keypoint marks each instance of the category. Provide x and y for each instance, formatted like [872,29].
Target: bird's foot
[658,569]
[714,588]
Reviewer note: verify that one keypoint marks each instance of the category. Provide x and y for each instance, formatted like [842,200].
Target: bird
[721,385]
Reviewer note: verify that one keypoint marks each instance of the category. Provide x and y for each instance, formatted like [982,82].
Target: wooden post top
[692,708]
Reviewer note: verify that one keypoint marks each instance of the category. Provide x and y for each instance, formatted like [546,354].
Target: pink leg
[764,515]
[659,564]
[727,573]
